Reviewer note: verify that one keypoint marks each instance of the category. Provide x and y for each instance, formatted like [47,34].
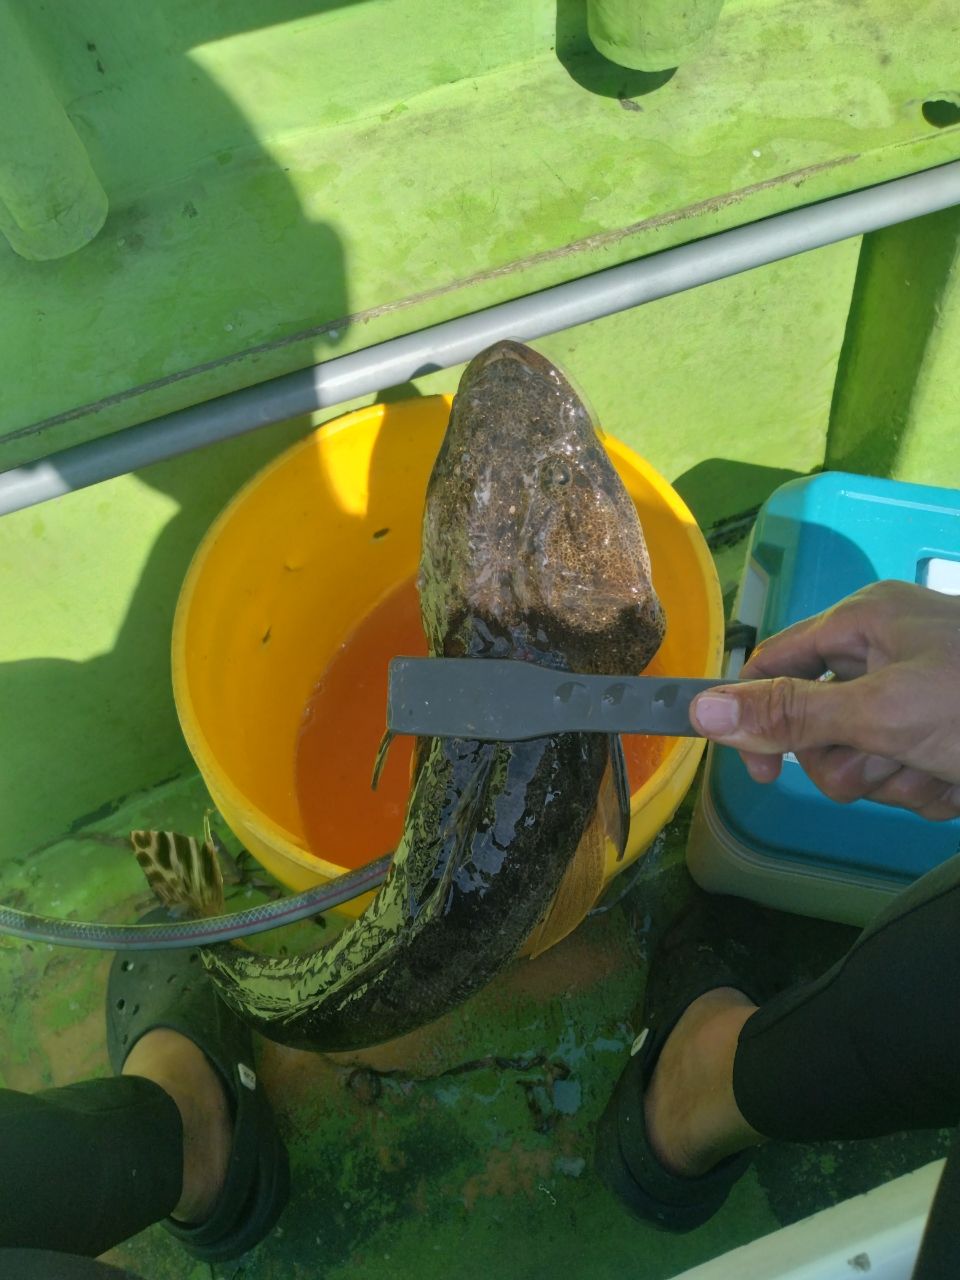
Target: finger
[946,808]
[838,639]
[794,651]
[845,774]
[943,812]
[920,793]
[770,717]
[762,768]
[835,640]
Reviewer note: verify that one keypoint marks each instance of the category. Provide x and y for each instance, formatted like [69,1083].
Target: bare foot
[691,1115]
[181,1069]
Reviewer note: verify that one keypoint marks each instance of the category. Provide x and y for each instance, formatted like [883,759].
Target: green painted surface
[296,179]
[51,202]
[727,391]
[897,402]
[463,1145]
[274,199]
[652,35]
[90,586]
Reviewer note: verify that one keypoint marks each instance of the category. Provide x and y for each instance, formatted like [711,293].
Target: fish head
[531,544]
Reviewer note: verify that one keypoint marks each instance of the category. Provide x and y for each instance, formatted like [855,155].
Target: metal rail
[398,360]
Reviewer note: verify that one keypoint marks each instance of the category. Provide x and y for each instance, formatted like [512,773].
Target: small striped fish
[182,872]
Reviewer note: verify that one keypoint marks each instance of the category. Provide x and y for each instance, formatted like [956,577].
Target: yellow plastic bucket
[292,564]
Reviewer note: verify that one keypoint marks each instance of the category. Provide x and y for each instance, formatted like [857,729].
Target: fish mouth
[508,349]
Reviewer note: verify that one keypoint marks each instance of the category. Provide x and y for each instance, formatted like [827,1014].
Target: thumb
[782,714]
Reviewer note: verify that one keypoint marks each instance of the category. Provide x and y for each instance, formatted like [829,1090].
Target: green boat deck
[280,182]
[466,1148]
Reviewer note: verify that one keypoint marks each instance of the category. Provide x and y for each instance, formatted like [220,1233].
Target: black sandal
[624,1158]
[170,988]
[699,952]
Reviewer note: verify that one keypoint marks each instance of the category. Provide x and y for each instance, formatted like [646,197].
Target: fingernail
[763,768]
[716,713]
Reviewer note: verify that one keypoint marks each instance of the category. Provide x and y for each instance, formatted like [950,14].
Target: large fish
[531,549]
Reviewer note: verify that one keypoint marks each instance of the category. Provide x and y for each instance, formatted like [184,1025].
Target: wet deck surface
[464,1149]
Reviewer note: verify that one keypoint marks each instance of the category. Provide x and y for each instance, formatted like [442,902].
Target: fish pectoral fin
[183,873]
[583,881]
[580,887]
[619,831]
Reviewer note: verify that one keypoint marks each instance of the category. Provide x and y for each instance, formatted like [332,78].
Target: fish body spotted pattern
[531,549]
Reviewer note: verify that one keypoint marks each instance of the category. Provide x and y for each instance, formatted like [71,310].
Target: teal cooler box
[784,843]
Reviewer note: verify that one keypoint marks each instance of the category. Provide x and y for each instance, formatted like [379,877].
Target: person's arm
[887,726]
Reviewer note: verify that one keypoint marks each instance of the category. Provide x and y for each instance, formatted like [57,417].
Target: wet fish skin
[455,911]
[532,549]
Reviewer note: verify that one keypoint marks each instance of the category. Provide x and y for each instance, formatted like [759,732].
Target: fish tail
[183,872]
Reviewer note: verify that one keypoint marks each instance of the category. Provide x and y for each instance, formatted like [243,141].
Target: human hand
[886,727]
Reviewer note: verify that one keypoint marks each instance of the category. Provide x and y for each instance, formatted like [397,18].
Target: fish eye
[558,473]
